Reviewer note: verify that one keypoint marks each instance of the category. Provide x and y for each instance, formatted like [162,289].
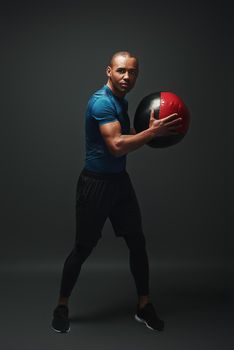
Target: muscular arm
[120,145]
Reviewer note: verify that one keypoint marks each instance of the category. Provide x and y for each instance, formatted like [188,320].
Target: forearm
[120,145]
[128,143]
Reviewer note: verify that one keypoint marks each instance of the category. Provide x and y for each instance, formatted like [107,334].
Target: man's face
[122,75]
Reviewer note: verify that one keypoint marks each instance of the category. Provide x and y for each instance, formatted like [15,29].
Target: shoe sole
[147,325]
[58,331]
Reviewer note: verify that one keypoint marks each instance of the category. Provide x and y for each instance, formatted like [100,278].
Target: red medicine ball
[163,104]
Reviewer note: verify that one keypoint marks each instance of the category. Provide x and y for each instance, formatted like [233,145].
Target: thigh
[125,214]
[92,207]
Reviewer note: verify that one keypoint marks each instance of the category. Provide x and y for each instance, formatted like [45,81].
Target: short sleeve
[103,111]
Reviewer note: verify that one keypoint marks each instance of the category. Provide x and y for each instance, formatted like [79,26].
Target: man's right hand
[119,144]
[166,126]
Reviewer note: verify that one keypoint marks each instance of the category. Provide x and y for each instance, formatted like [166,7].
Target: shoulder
[101,102]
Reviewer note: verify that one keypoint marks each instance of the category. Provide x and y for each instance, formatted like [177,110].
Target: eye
[133,72]
[121,70]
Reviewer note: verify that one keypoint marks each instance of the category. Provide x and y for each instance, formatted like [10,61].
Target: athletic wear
[60,322]
[102,196]
[148,316]
[72,267]
[104,107]
[104,190]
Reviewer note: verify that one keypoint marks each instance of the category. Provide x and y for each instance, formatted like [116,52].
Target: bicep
[110,133]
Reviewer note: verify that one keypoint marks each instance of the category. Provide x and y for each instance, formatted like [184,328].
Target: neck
[116,93]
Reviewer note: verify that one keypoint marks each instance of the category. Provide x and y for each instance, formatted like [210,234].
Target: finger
[177,121]
[152,114]
[170,117]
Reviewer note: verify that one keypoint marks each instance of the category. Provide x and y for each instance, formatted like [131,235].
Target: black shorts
[100,196]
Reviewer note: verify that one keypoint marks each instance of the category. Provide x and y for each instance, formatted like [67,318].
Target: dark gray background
[53,57]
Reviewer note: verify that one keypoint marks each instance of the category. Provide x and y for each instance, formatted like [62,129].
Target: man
[105,190]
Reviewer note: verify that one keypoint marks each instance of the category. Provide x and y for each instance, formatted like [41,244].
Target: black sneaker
[148,316]
[60,321]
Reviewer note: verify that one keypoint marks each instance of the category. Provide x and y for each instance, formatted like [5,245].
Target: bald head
[122,54]
[122,73]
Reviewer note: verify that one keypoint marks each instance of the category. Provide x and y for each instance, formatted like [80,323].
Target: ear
[108,71]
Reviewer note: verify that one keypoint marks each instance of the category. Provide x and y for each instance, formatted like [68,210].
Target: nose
[126,76]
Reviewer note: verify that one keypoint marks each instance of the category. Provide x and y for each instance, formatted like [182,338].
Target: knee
[78,254]
[136,243]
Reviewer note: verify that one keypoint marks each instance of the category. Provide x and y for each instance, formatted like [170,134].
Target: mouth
[125,85]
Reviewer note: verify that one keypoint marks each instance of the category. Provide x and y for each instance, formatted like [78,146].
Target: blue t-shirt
[104,107]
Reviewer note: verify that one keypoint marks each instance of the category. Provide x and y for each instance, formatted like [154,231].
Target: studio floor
[197,307]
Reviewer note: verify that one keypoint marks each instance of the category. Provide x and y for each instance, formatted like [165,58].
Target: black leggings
[98,197]
[138,261]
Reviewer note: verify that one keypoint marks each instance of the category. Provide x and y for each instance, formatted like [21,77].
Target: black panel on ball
[142,116]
